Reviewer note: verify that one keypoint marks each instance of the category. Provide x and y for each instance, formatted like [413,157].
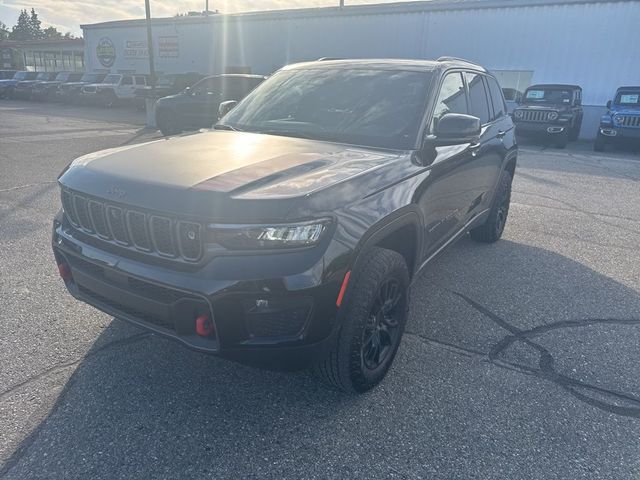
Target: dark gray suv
[290,234]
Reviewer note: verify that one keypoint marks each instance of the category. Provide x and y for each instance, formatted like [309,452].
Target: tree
[22,31]
[4,31]
[34,21]
[51,32]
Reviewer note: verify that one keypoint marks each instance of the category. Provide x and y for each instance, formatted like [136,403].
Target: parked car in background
[166,85]
[621,123]
[24,88]
[7,74]
[513,98]
[7,85]
[114,89]
[197,106]
[553,111]
[289,235]
[47,90]
[70,91]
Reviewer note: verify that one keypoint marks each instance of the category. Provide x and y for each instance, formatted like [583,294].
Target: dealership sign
[135,49]
[168,47]
[106,52]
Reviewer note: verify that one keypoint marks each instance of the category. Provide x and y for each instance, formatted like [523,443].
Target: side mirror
[187,91]
[456,129]
[609,104]
[226,107]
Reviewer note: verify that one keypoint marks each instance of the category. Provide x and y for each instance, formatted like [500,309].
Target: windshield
[628,98]
[112,79]
[20,76]
[548,95]
[62,77]
[378,108]
[42,76]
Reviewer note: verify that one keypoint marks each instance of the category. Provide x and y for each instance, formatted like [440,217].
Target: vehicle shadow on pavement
[538,313]
[138,405]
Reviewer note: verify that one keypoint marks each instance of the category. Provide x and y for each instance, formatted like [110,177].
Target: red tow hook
[204,325]
[64,271]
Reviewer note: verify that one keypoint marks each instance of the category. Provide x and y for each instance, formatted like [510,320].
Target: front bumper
[540,128]
[284,322]
[619,133]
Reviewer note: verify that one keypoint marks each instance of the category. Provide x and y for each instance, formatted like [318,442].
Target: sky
[68,15]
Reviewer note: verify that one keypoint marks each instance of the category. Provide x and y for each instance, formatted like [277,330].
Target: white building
[591,43]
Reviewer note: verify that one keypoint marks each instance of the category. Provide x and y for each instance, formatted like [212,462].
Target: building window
[513,82]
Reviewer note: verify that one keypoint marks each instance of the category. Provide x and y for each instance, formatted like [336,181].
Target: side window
[451,99]
[127,80]
[141,80]
[499,107]
[479,105]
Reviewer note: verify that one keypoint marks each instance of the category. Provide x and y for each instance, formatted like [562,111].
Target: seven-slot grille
[628,120]
[534,115]
[133,228]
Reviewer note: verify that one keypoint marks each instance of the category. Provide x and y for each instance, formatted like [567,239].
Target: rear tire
[599,144]
[492,229]
[375,316]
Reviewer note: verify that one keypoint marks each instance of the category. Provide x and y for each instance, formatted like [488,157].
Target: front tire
[168,124]
[375,316]
[562,139]
[492,229]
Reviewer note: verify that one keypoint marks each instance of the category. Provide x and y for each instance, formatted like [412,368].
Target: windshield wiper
[287,133]
[222,126]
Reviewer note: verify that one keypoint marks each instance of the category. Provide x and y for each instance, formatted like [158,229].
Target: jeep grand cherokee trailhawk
[289,235]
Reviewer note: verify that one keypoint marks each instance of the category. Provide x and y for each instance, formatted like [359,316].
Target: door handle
[501,134]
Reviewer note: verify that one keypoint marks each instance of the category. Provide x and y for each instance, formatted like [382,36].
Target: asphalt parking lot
[520,361]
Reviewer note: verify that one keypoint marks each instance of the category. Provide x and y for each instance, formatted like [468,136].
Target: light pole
[152,70]
[150,101]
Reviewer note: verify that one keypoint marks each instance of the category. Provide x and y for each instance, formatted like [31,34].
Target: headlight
[252,237]
[619,119]
[552,115]
[518,113]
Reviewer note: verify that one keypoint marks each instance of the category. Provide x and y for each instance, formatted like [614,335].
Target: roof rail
[457,59]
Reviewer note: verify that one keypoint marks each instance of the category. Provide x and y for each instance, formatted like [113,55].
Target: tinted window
[631,98]
[451,98]
[379,108]
[127,80]
[499,107]
[112,79]
[141,80]
[547,95]
[478,103]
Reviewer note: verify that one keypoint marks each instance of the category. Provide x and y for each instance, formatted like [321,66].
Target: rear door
[502,139]
[482,172]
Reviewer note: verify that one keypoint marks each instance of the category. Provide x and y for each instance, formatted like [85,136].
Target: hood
[224,175]
[8,81]
[547,107]
[624,110]
[26,83]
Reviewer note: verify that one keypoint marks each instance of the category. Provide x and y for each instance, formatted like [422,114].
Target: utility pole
[206,7]
[152,70]
[341,3]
